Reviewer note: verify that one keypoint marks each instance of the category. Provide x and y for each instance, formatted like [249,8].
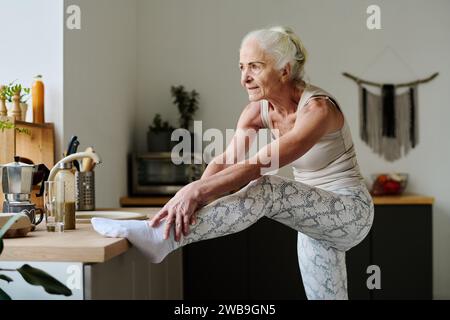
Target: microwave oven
[156,173]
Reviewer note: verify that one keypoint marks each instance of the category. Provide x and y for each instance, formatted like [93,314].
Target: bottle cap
[65,165]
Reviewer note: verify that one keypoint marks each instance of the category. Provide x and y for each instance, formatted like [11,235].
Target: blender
[17,180]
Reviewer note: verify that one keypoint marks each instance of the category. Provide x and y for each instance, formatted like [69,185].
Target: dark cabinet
[261,261]
[257,263]
[400,244]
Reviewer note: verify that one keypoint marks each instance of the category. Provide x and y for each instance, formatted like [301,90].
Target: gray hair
[284,46]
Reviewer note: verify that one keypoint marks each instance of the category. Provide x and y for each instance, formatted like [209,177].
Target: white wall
[32,43]
[195,43]
[90,76]
[100,89]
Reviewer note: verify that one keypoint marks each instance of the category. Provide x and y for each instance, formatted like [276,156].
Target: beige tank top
[331,163]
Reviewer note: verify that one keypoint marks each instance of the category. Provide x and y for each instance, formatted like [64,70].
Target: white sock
[148,240]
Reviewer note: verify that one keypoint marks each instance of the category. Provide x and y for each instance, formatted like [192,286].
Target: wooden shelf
[38,146]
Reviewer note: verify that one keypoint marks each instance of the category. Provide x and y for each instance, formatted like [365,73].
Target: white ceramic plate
[86,216]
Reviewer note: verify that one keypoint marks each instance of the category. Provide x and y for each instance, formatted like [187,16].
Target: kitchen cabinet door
[402,248]
[400,244]
[261,261]
[216,269]
[358,259]
[257,263]
[273,270]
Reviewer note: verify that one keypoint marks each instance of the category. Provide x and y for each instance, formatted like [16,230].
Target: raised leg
[226,215]
[340,219]
[233,213]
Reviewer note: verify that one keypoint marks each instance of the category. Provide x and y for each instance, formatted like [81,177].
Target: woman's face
[258,74]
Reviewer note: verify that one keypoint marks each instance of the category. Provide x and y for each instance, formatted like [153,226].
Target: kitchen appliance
[157,173]
[17,180]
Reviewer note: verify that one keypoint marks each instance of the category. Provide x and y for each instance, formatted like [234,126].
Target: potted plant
[24,93]
[5,122]
[187,103]
[159,134]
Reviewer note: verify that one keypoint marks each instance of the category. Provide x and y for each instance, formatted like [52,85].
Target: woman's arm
[213,167]
[246,129]
[314,122]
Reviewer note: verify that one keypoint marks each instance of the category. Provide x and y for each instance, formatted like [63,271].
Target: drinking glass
[54,198]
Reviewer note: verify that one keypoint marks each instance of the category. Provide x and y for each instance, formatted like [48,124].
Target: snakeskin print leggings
[328,224]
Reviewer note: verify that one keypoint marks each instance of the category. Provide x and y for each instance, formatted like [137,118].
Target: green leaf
[38,277]
[4,295]
[6,278]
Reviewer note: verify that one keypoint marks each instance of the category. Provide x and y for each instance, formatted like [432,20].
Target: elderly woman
[327,203]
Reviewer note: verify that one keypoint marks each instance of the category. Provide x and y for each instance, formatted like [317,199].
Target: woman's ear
[286,73]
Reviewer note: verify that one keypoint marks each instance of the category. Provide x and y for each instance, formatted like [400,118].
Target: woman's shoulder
[251,115]
[312,93]
[313,90]
[319,100]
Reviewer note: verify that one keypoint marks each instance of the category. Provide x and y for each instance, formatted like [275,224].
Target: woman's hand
[181,209]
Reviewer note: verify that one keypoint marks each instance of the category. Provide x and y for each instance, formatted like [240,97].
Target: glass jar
[66,175]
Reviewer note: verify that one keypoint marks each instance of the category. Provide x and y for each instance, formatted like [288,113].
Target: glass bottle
[66,175]
[38,95]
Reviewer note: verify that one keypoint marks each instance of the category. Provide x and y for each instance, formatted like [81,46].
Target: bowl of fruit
[388,183]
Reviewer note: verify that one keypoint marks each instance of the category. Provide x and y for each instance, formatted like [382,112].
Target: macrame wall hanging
[388,122]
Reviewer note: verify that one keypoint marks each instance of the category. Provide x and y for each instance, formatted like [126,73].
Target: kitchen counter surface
[404,199]
[81,245]
[86,245]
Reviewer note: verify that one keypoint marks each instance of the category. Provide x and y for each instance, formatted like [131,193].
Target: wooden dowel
[375,84]
[409,84]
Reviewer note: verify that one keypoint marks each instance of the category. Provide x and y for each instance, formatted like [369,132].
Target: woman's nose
[245,77]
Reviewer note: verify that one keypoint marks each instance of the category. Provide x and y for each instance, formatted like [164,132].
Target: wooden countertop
[405,199]
[144,201]
[86,245]
[81,245]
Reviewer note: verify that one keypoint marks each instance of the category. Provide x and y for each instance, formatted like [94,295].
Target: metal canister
[85,190]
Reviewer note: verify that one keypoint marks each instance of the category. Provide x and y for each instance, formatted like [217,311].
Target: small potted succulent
[10,90]
[159,135]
